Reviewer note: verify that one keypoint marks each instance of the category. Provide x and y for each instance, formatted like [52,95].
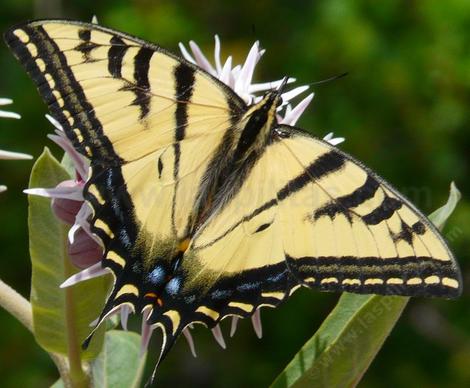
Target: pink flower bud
[84,251]
[66,209]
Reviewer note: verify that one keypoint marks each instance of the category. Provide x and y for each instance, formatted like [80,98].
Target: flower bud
[66,209]
[84,251]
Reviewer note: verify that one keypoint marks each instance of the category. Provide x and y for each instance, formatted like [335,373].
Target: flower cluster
[68,204]
[9,154]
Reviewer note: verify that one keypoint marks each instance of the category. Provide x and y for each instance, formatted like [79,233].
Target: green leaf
[439,217]
[67,164]
[344,346]
[61,317]
[119,365]
[58,384]
[348,340]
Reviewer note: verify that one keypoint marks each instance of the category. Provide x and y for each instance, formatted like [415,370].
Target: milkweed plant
[64,252]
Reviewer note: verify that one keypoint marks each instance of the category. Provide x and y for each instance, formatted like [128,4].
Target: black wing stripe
[386,209]
[115,55]
[141,76]
[344,203]
[74,99]
[393,273]
[184,80]
[326,164]
[184,77]
[85,46]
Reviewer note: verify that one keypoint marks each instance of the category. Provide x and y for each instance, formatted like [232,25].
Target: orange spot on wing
[154,296]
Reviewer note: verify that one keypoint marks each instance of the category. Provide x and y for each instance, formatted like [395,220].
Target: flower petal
[225,74]
[125,310]
[8,155]
[9,115]
[57,192]
[286,97]
[189,338]
[89,273]
[54,122]
[6,101]
[201,59]
[246,73]
[234,325]
[292,115]
[256,321]
[260,87]
[82,220]
[80,163]
[185,53]
[146,333]
[218,62]
[333,140]
[217,332]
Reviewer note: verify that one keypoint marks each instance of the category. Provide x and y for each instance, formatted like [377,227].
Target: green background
[403,109]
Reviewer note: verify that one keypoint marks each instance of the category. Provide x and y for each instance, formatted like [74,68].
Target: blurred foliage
[403,110]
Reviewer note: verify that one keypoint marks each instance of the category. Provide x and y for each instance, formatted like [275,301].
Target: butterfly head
[265,109]
[273,98]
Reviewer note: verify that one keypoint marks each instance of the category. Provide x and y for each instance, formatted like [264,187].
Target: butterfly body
[208,207]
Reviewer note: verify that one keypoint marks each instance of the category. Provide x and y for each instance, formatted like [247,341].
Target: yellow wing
[309,215]
[157,129]
[150,123]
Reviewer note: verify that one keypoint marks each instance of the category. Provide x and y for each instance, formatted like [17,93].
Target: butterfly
[207,207]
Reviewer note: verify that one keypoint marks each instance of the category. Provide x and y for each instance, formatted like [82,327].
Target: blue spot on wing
[124,238]
[221,294]
[156,276]
[276,278]
[173,286]
[248,286]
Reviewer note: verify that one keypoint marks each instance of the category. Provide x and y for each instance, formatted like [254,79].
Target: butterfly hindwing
[309,214]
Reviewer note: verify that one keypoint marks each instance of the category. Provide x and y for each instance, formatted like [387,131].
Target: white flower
[239,78]
[11,115]
[3,113]
[8,154]
[68,204]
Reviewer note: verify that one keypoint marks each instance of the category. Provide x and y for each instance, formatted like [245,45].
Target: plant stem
[77,375]
[20,308]
[16,305]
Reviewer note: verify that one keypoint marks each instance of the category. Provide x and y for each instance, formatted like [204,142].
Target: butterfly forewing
[117,97]
[360,235]
[149,122]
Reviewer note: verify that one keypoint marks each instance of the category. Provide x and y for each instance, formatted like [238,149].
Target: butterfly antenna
[334,78]
[283,84]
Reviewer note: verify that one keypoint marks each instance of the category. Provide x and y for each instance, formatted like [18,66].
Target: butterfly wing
[154,126]
[358,234]
[150,123]
[308,214]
